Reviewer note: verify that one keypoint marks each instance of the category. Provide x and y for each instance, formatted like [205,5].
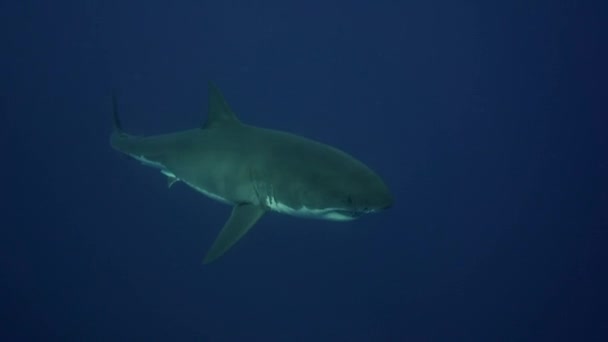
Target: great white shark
[257,170]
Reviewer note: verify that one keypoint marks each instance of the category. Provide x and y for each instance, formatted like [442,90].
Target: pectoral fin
[243,217]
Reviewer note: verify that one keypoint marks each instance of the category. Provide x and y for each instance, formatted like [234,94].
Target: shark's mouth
[334,214]
[341,215]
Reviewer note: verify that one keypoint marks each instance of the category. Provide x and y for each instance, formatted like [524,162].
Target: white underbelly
[208,193]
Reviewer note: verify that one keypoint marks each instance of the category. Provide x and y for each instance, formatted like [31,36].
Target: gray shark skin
[257,170]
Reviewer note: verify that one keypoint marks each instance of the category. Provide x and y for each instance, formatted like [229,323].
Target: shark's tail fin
[116,120]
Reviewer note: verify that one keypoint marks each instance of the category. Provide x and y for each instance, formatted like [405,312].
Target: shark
[256,170]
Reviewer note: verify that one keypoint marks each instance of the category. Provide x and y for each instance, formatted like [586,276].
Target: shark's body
[258,170]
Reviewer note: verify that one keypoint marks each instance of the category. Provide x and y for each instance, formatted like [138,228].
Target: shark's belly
[225,186]
[247,193]
[209,194]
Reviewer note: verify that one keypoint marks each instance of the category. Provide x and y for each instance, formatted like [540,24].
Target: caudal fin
[115,118]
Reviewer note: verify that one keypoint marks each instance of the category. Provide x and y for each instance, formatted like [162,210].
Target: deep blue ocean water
[487,120]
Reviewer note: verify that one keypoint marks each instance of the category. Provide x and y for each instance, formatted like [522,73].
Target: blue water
[487,121]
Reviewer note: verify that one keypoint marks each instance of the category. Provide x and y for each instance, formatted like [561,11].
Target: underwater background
[486,119]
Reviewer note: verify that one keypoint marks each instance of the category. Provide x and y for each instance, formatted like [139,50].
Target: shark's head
[351,194]
[338,188]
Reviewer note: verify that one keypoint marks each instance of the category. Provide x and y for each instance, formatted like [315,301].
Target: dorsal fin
[219,111]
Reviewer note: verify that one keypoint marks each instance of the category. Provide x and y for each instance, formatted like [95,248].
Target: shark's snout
[381,197]
[385,204]
[388,201]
